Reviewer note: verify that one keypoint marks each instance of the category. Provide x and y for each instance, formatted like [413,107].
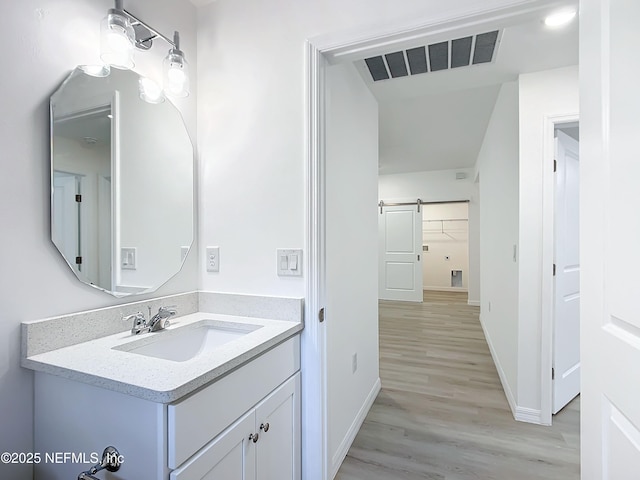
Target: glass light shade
[150,91]
[176,74]
[96,70]
[117,40]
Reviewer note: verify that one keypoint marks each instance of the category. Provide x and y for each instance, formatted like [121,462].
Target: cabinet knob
[264,426]
[254,437]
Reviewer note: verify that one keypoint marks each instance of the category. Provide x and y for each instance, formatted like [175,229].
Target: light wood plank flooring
[442,413]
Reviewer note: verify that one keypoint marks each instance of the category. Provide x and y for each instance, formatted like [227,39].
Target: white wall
[448,245]
[542,94]
[498,169]
[433,186]
[437,186]
[251,123]
[352,253]
[48,38]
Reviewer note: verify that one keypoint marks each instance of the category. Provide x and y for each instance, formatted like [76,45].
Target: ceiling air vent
[460,52]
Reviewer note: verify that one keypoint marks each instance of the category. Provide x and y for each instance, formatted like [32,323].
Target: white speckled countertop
[96,362]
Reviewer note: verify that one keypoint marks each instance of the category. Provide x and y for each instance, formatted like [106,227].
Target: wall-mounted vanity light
[121,32]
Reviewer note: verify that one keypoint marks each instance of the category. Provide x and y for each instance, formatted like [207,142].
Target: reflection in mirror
[122,183]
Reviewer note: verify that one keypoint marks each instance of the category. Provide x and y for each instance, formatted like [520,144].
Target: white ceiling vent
[461,52]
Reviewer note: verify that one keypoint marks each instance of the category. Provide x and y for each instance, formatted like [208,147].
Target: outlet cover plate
[212,259]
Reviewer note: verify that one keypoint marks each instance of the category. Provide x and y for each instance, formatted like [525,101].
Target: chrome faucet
[139,323]
[158,322]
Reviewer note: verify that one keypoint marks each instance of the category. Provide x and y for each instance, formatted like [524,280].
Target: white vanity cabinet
[262,445]
[209,434]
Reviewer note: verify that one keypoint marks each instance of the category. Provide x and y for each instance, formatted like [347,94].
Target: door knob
[264,426]
[254,437]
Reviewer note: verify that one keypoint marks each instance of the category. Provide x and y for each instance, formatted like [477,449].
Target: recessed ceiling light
[559,19]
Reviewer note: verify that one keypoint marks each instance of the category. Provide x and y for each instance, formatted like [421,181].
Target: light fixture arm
[155,32]
[140,42]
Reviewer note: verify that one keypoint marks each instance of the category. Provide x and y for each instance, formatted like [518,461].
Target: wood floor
[442,413]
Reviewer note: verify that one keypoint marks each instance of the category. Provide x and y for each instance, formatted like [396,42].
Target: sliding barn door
[400,244]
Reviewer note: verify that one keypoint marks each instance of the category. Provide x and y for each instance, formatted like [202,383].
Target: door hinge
[553,373]
[78,260]
[78,198]
[418,257]
[321,315]
[554,269]
[555,165]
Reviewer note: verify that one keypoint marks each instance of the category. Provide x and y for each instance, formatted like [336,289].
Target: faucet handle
[138,318]
[170,309]
[139,322]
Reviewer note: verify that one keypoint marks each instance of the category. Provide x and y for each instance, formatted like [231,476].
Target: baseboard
[350,436]
[445,289]
[503,378]
[529,415]
[473,303]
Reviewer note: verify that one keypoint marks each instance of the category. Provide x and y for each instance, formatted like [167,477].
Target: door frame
[320,52]
[551,122]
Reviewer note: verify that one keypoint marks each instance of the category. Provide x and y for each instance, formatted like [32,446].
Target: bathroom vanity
[212,396]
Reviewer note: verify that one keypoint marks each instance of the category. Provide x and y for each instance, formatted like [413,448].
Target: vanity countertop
[96,362]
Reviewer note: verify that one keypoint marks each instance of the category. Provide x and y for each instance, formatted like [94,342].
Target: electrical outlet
[213,259]
[354,363]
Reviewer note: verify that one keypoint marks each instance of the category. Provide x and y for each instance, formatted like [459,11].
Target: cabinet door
[278,423]
[230,456]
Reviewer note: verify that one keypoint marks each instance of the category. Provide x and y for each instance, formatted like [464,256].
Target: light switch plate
[289,262]
[128,258]
[213,259]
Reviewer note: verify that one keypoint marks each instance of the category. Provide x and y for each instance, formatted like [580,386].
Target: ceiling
[437,120]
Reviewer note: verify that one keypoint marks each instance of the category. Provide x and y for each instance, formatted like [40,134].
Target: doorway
[566,270]
[315,351]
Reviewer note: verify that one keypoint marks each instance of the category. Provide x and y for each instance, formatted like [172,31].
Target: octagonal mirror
[122,182]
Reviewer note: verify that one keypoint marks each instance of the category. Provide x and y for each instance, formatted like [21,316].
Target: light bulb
[176,74]
[150,91]
[118,41]
[96,70]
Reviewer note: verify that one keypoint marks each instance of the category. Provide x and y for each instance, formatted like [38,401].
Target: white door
[66,220]
[566,326]
[610,239]
[400,244]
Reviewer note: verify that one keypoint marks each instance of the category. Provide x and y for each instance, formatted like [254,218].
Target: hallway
[442,413]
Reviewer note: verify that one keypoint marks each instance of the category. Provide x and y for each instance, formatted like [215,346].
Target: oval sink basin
[185,343]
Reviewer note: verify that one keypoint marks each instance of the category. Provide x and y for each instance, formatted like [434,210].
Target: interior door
[400,244]
[610,235]
[66,217]
[566,325]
